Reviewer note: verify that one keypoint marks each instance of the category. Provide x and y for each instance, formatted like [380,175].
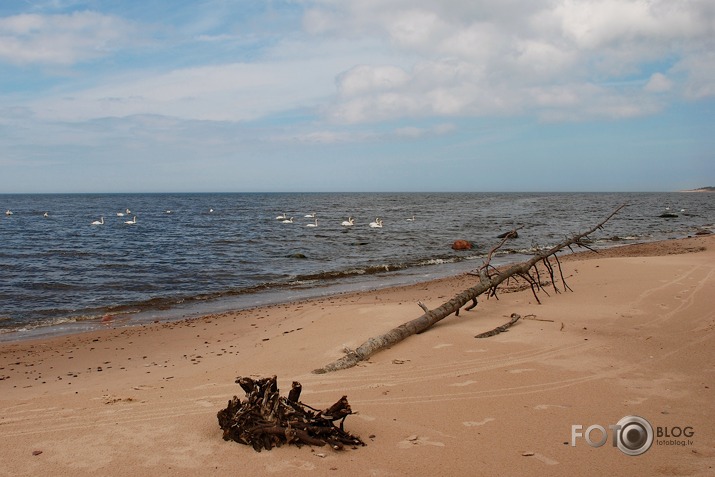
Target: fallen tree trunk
[489,280]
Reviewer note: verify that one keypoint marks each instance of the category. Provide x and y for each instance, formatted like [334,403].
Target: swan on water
[282,217]
[8,212]
[313,225]
[412,219]
[131,222]
[348,223]
[288,221]
[120,214]
[46,214]
[310,216]
[99,222]
[377,224]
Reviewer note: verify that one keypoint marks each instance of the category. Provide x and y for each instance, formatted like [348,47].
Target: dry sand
[635,337]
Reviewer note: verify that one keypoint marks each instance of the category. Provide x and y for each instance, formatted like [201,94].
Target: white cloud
[345,136]
[658,83]
[477,58]
[414,132]
[363,78]
[700,71]
[543,60]
[361,61]
[62,39]
[595,23]
[324,137]
[578,102]
[231,92]
[416,28]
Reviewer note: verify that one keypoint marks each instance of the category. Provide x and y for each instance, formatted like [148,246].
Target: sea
[191,254]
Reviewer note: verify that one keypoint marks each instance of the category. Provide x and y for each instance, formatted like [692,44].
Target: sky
[356,95]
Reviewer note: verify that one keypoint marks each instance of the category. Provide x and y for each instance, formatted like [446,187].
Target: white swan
[282,217]
[313,225]
[310,216]
[131,222]
[288,221]
[412,219]
[8,212]
[99,222]
[127,211]
[46,214]
[120,214]
[348,223]
[377,224]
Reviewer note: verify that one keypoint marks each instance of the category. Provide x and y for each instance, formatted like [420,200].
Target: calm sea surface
[190,254]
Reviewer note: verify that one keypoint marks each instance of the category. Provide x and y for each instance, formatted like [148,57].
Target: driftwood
[490,278]
[266,419]
[500,329]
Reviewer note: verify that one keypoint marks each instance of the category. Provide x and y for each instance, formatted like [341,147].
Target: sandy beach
[636,336]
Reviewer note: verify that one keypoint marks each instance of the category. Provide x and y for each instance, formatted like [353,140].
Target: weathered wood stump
[265,419]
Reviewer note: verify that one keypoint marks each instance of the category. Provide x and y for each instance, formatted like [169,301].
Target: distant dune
[701,189]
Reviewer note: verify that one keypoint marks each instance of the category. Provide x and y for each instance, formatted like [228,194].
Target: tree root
[266,420]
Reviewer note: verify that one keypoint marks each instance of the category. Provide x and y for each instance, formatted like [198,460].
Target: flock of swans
[284,218]
[350,222]
[133,221]
[120,214]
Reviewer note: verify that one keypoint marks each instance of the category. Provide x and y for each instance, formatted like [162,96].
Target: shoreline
[82,274]
[243,302]
[252,301]
[634,337]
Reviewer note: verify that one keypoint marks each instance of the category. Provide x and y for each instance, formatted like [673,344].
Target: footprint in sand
[443,345]
[110,399]
[544,459]
[543,407]
[284,465]
[477,424]
[415,440]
